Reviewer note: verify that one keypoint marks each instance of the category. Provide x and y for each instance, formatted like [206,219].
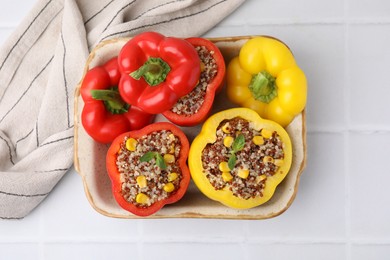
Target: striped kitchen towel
[42,62]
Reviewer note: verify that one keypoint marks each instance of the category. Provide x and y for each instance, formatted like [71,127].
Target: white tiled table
[342,209]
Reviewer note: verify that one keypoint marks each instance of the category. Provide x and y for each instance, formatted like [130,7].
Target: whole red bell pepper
[133,182]
[213,75]
[157,71]
[105,115]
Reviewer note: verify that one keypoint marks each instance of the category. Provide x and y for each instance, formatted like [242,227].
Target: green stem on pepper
[263,87]
[154,71]
[112,100]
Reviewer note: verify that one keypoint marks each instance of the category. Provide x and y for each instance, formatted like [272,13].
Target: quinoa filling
[242,158]
[192,102]
[148,167]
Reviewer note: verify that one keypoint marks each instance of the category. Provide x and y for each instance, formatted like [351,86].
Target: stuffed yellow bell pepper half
[239,158]
[266,78]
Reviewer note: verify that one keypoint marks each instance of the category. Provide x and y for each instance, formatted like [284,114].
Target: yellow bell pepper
[266,78]
[208,135]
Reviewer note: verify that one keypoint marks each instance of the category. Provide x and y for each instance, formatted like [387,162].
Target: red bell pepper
[157,71]
[213,74]
[105,115]
[129,184]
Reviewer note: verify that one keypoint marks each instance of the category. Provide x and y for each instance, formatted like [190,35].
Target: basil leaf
[238,143]
[159,159]
[232,161]
[147,156]
[160,162]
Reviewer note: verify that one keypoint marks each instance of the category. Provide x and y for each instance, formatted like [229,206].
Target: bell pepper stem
[263,87]
[154,71]
[112,100]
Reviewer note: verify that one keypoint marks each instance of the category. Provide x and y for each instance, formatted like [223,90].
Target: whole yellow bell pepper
[266,78]
[208,135]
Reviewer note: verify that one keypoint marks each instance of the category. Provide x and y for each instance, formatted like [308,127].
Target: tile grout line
[244,242]
[347,135]
[7,27]
[197,240]
[368,241]
[276,21]
[140,243]
[357,130]
[41,244]
[311,22]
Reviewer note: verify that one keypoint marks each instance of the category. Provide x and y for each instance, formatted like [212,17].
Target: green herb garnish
[159,159]
[237,145]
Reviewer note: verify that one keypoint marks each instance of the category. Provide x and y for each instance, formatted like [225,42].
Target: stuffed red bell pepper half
[194,107]
[148,168]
